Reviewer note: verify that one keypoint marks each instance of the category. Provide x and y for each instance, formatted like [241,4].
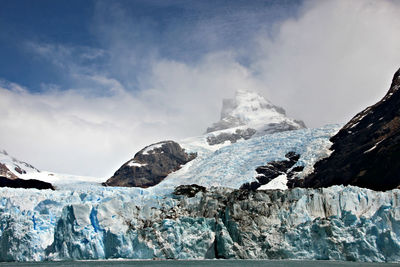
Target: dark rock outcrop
[271,128]
[189,190]
[232,137]
[273,169]
[21,183]
[151,165]
[366,151]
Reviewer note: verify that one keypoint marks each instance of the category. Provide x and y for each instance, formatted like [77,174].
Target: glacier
[231,165]
[83,220]
[336,223]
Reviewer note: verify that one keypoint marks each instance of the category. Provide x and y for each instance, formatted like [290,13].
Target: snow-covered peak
[16,166]
[248,109]
[251,107]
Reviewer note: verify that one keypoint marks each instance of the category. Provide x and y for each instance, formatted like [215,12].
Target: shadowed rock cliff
[366,151]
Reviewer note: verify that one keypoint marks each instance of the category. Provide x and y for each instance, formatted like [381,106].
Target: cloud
[68,57]
[333,60]
[70,131]
[322,64]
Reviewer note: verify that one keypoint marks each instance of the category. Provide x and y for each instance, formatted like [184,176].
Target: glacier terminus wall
[336,223]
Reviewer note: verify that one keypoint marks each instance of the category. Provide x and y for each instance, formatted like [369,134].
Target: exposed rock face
[5,172]
[189,190]
[151,165]
[274,169]
[366,151]
[283,126]
[22,183]
[232,137]
[253,115]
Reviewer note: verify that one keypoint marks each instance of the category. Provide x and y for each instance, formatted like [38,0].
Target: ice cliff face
[247,115]
[341,223]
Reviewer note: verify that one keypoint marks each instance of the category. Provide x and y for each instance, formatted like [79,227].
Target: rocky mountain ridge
[366,151]
[11,169]
[151,165]
[17,167]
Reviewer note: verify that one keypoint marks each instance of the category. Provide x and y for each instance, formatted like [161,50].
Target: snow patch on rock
[133,163]
[151,148]
[277,183]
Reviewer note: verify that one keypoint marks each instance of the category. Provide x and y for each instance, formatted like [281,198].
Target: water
[174,263]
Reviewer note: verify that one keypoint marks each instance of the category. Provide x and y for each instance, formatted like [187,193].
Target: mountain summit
[251,109]
[250,114]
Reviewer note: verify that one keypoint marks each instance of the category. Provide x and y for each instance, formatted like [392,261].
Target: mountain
[248,115]
[366,151]
[151,165]
[11,169]
[16,166]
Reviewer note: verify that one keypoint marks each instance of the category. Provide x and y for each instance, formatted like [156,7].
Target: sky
[86,84]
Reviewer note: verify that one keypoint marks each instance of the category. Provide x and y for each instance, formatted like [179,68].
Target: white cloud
[332,61]
[68,131]
[325,65]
